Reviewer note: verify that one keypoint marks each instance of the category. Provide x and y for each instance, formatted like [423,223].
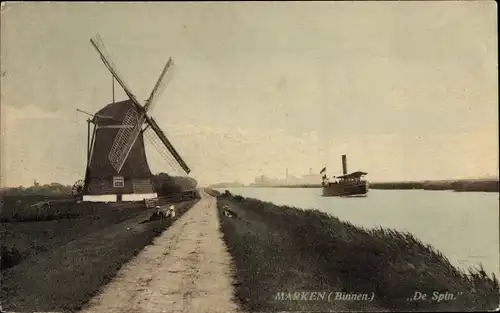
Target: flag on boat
[323,170]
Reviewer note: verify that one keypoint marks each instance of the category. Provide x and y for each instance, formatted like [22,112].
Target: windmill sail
[108,62]
[160,84]
[162,151]
[125,139]
[167,145]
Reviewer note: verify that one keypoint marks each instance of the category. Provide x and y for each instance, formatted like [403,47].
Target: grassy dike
[285,249]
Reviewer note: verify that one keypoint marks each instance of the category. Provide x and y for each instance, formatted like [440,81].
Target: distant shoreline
[459,185]
[453,185]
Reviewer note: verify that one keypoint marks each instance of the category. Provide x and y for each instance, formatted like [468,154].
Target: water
[463,226]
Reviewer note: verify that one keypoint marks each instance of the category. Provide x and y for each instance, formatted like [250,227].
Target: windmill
[117,167]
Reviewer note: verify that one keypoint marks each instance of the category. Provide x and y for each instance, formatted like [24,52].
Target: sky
[408,90]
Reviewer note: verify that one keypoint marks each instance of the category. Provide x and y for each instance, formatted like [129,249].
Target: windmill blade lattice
[125,139]
[163,80]
[156,142]
[108,62]
[168,145]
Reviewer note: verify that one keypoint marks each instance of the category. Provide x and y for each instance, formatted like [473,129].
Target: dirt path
[187,269]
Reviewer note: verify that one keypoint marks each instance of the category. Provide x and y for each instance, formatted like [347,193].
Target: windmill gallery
[117,167]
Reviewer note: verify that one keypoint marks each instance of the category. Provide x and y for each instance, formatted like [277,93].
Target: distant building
[309,179]
[266,181]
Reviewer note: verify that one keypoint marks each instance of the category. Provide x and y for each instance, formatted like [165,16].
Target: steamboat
[348,184]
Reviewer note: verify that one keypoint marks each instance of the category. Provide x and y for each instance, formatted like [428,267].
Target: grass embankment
[279,249]
[212,192]
[65,262]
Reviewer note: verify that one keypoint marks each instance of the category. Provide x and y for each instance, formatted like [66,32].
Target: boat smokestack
[344,164]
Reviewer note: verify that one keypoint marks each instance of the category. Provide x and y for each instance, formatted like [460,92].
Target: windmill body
[117,167]
[134,178]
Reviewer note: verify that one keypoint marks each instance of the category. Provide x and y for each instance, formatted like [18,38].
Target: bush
[167,185]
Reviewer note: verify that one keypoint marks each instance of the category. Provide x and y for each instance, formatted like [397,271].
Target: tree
[167,185]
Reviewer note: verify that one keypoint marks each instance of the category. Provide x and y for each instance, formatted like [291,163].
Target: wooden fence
[184,196]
